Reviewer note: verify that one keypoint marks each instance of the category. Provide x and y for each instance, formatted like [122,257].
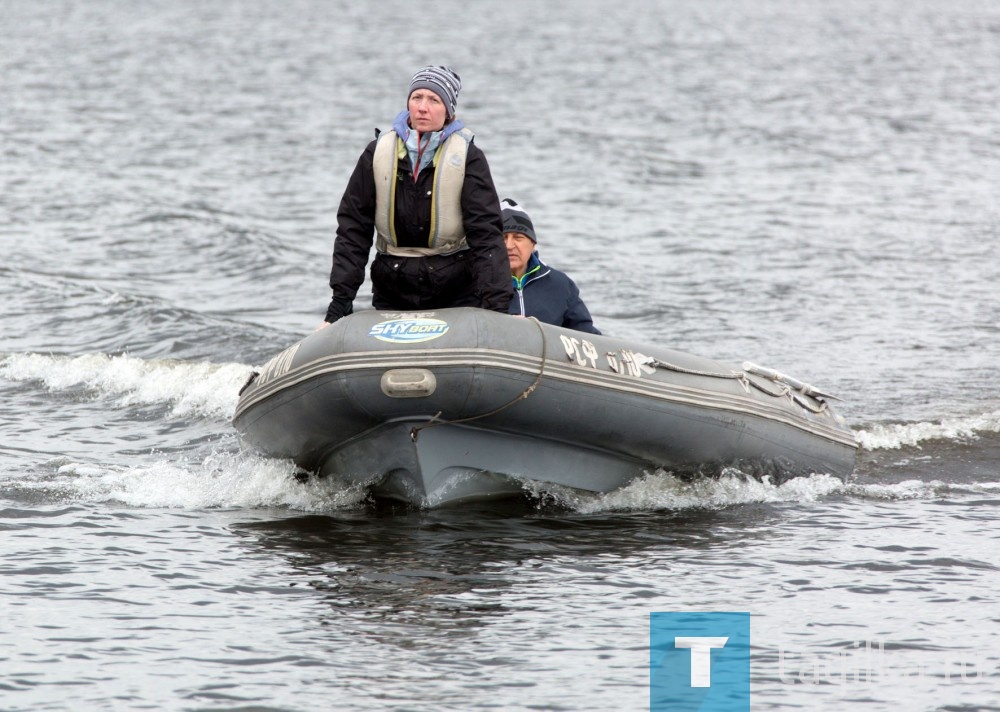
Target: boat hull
[461,404]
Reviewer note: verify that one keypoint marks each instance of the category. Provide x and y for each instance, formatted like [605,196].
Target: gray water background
[807,185]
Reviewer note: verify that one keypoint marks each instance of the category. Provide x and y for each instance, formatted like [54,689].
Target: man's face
[519,249]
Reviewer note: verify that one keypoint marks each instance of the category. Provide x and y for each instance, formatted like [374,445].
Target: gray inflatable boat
[434,408]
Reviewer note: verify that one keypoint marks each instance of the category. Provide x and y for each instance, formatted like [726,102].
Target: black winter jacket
[479,276]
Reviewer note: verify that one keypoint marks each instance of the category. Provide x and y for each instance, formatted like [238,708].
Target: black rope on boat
[415,430]
[250,379]
[437,420]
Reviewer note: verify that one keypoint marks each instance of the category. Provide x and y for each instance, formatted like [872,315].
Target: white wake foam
[223,480]
[663,491]
[897,435]
[189,388]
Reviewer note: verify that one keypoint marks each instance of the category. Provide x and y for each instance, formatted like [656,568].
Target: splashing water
[191,389]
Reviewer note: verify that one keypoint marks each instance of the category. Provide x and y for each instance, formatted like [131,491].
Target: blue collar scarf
[422,154]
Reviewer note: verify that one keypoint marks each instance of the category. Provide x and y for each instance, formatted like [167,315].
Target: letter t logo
[701,657]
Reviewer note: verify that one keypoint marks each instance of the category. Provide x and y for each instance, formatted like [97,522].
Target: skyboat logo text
[408,331]
[699,661]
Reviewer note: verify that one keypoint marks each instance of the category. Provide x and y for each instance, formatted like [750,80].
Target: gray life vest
[447,232]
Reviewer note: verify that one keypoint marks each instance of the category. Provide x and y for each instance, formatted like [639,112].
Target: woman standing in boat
[539,290]
[424,191]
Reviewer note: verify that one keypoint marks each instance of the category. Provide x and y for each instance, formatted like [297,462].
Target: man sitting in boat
[539,290]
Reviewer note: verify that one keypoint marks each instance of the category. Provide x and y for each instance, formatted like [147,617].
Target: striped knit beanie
[440,80]
[515,219]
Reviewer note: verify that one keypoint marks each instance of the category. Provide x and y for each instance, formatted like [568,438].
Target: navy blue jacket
[550,296]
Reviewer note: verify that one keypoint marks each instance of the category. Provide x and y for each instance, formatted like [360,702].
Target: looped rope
[437,420]
[806,396]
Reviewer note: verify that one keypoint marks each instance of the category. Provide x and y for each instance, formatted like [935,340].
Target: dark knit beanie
[515,219]
[440,80]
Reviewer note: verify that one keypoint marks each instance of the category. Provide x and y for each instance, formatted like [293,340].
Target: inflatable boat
[436,408]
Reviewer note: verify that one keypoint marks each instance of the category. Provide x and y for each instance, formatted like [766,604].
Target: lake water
[808,185]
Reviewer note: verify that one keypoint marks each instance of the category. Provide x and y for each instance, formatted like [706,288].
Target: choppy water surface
[808,186]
